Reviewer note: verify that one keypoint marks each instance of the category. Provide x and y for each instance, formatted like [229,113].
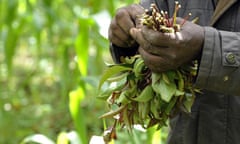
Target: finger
[146,45]
[135,12]
[158,38]
[137,36]
[118,41]
[123,20]
[180,20]
[153,62]
[127,17]
[117,36]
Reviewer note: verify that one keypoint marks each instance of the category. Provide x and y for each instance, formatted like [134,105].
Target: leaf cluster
[136,95]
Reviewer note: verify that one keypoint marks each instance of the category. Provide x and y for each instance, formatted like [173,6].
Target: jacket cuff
[219,66]
[118,52]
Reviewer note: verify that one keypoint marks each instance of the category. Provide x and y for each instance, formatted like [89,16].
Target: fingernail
[133,31]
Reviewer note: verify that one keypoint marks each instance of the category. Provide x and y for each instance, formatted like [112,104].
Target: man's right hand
[125,19]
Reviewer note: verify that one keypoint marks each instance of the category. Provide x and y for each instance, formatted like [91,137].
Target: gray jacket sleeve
[146,3]
[219,67]
[162,4]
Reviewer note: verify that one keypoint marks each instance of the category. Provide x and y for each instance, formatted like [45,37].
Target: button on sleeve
[230,58]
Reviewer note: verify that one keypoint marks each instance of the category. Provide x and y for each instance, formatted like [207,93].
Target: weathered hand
[124,20]
[166,51]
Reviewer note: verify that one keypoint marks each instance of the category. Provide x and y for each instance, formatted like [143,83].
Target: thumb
[134,32]
[137,35]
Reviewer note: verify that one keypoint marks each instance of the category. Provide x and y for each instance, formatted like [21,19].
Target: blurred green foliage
[39,42]
[51,56]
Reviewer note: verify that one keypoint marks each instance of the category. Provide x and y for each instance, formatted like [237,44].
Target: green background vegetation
[52,53]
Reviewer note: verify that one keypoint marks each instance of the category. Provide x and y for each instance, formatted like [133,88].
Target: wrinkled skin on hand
[125,19]
[168,51]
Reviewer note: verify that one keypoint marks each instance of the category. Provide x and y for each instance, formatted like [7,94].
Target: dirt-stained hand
[167,51]
[125,19]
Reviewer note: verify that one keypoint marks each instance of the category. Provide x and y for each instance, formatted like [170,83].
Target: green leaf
[104,94]
[165,78]
[62,138]
[162,87]
[82,44]
[127,94]
[145,95]
[111,71]
[138,67]
[113,112]
[123,98]
[189,100]
[154,106]
[170,106]
[10,43]
[118,77]
[37,138]
[156,77]
[179,93]
[129,60]
[167,90]
[75,99]
[169,76]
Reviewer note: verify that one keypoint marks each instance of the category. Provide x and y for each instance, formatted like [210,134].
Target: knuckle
[173,61]
[180,41]
[117,42]
[113,26]
[157,69]
[121,13]
[173,57]
[134,7]
[137,8]
[111,32]
[147,47]
[110,35]
[148,64]
[174,64]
